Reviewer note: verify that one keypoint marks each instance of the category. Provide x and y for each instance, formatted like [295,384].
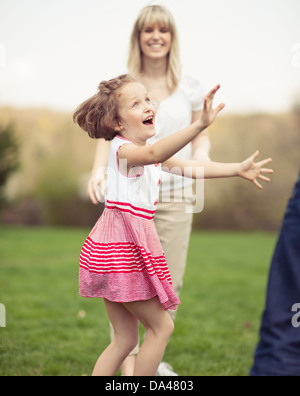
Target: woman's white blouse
[173,114]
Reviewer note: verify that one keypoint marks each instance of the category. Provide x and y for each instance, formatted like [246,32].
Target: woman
[154,61]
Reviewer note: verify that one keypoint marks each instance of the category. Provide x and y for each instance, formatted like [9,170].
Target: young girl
[122,260]
[154,60]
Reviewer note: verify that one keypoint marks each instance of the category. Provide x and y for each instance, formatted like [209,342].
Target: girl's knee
[132,343]
[126,344]
[166,328]
[170,327]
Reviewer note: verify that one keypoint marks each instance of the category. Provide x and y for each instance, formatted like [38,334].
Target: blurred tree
[9,161]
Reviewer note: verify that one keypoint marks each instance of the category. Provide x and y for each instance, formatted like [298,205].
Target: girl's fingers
[211,93]
[261,163]
[265,162]
[266,179]
[254,156]
[257,184]
[220,107]
[207,105]
[266,170]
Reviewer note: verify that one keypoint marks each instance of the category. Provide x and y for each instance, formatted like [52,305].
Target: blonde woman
[154,61]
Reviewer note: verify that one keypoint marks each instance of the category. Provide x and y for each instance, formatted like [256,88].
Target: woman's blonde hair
[148,17]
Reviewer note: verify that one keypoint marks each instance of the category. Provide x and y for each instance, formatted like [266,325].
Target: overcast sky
[54,53]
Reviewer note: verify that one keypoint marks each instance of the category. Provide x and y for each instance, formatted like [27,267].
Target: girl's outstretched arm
[167,147]
[248,169]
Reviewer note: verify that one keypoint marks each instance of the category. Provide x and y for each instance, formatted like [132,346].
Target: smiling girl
[122,260]
[154,60]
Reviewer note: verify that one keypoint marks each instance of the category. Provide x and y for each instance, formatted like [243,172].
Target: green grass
[52,331]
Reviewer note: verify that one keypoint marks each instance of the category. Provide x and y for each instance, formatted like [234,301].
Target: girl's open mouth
[149,120]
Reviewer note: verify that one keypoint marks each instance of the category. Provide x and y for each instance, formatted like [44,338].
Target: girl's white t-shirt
[136,193]
[173,114]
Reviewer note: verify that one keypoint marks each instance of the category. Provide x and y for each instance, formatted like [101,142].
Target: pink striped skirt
[122,260]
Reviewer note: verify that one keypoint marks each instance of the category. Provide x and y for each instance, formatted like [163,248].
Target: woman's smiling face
[155,41]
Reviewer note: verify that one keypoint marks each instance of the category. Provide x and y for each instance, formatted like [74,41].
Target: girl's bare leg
[127,367]
[159,328]
[124,319]
[125,339]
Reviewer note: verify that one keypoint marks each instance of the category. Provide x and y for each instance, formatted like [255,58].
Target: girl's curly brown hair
[99,115]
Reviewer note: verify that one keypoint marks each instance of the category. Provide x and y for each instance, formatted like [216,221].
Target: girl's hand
[252,171]
[208,115]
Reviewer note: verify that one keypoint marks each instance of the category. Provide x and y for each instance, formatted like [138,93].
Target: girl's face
[155,41]
[137,113]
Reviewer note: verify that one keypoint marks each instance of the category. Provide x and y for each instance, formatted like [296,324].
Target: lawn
[50,330]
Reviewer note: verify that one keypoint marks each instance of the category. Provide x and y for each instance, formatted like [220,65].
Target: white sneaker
[165,370]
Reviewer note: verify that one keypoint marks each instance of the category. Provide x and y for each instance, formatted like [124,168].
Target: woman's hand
[252,171]
[208,114]
[97,186]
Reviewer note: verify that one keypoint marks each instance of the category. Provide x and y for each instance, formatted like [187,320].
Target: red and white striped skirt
[122,260]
